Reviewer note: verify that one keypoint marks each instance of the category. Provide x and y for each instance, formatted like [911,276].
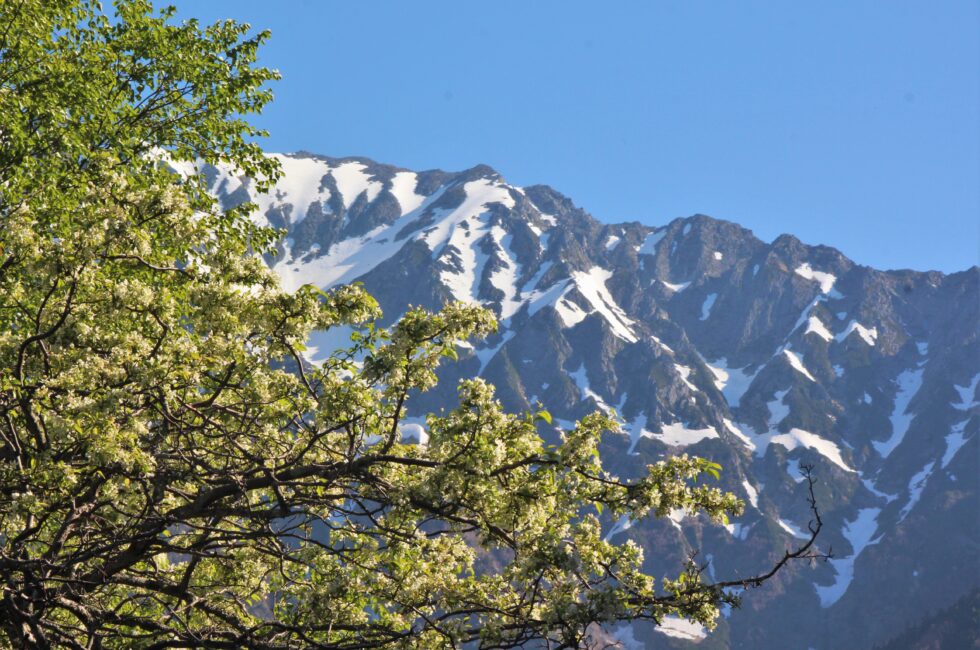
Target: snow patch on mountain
[793,530]
[676,517]
[649,245]
[739,530]
[488,353]
[732,382]
[461,232]
[621,526]
[872,487]
[569,312]
[636,429]
[661,344]
[592,285]
[752,493]
[826,280]
[860,534]
[680,628]
[957,436]
[816,326]
[626,639]
[299,186]
[967,394]
[581,379]
[413,431]
[675,434]
[403,186]
[676,288]
[868,335]
[685,373]
[709,302]
[349,259]
[909,382]
[795,438]
[794,470]
[954,442]
[797,363]
[916,485]
[738,433]
[678,434]
[352,181]
[504,277]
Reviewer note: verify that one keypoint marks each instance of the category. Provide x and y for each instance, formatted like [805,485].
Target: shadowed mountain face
[705,340]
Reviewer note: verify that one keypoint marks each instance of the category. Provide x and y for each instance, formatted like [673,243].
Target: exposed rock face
[705,340]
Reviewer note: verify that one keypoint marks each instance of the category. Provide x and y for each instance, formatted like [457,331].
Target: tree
[165,481]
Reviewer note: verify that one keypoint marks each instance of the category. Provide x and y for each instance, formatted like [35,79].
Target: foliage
[167,481]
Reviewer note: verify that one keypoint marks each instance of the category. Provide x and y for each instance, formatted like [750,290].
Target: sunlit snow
[461,231]
[826,280]
[685,373]
[795,438]
[732,382]
[351,258]
[738,433]
[868,335]
[504,276]
[592,285]
[676,434]
[752,493]
[352,181]
[795,531]
[679,435]
[676,288]
[403,189]
[661,344]
[816,326]
[581,379]
[299,186]
[621,526]
[797,363]
[680,628]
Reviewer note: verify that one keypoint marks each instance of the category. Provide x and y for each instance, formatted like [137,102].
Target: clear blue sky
[852,124]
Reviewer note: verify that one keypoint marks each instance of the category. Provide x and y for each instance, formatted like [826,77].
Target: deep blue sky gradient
[854,124]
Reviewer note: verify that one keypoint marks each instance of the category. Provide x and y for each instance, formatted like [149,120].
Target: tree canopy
[173,474]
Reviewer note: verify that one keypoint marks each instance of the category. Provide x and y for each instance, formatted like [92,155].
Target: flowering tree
[164,482]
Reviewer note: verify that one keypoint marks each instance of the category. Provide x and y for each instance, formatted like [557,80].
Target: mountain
[957,626]
[705,340]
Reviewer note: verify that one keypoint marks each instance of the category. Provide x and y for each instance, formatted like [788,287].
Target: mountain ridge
[492,172]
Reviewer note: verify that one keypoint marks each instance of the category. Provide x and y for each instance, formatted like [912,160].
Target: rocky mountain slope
[705,340]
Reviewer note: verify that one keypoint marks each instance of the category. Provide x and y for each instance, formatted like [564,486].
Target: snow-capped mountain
[706,340]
